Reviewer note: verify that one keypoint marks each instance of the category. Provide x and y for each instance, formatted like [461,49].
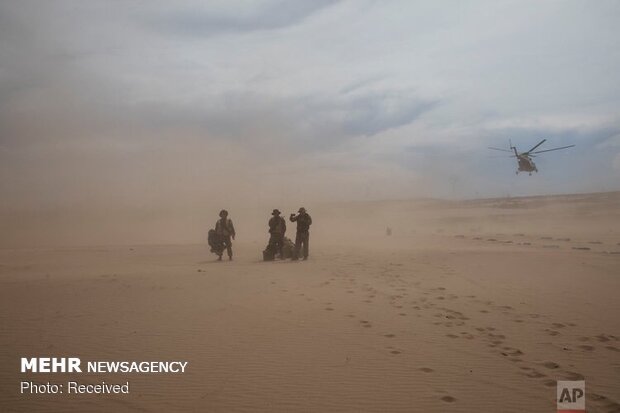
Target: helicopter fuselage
[526,164]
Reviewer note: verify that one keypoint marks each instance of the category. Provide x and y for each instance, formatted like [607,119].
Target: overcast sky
[146,102]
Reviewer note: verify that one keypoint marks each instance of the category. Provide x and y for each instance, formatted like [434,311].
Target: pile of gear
[287,251]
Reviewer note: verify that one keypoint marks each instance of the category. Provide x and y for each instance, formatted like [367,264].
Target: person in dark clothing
[225,231]
[277,228]
[302,237]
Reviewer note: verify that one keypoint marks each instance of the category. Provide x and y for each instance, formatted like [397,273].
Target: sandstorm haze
[138,121]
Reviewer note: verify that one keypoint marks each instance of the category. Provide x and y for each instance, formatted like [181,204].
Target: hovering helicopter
[524,159]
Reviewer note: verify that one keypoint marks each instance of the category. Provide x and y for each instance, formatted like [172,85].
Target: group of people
[220,238]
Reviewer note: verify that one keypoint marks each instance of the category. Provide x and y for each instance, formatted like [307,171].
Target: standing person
[225,230]
[277,228]
[304,221]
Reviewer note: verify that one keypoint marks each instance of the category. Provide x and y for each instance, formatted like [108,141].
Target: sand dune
[469,306]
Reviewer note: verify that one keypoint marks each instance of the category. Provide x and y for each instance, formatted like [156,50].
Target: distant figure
[303,235]
[388,231]
[277,229]
[225,230]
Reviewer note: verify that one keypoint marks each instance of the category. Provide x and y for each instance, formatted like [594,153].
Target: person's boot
[219,258]
[230,258]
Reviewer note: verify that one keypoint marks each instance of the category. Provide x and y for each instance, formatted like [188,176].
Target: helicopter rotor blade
[499,149]
[539,143]
[555,149]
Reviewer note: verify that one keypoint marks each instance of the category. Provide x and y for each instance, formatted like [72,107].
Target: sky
[148,104]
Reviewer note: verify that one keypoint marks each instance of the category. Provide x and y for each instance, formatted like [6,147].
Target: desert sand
[470,306]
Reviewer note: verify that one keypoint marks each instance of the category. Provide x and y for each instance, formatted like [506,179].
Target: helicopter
[524,159]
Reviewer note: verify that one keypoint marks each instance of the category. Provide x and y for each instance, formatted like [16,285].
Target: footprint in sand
[448,399]
[586,347]
[551,365]
[612,348]
[452,335]
[389,335]
[571,375]
[365,323]
[329,309]
[426,369]
[395,352]
[402,314]
[535,374]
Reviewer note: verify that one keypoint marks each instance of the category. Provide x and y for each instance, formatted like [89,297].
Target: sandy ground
[470,306]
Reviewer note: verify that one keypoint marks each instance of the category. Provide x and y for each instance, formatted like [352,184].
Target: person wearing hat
[225,230]
[302,237]
[277,229]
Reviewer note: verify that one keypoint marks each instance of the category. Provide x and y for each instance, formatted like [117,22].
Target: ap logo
[571,396]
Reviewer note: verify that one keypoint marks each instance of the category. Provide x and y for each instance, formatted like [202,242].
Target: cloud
[202,22]
[259,121]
